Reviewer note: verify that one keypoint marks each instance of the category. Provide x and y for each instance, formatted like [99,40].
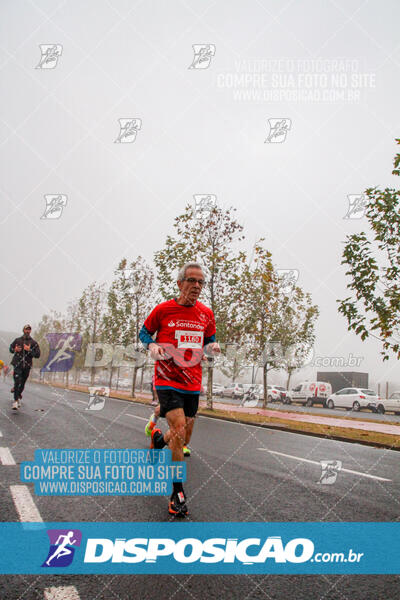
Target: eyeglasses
[194,280]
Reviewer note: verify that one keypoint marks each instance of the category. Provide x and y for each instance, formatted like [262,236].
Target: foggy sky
[124,59]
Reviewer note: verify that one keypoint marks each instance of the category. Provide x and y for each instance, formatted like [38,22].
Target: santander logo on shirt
[189,324]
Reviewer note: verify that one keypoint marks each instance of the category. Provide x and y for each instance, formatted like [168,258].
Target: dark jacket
[24,358]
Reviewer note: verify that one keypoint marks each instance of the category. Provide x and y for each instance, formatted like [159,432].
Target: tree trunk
[265,386]
[288,379]
[134,375]
[141,379]
[110,378]
[92,375]
[118,370]
[67,379]
[209,383]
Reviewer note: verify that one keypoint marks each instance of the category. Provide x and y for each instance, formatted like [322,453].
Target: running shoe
[149,427]
[12,390]
[186,451]
[177,504]
[15,405]
[157,439]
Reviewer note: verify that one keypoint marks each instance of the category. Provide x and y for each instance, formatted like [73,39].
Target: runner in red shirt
[184,326]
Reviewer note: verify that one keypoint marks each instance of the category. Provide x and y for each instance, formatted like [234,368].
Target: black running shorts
[171,399]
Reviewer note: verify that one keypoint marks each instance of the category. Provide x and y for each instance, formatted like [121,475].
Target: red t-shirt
[180,331]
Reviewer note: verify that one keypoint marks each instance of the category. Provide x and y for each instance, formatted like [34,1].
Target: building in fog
[343,379]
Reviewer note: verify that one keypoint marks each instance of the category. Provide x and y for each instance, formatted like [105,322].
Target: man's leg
[188,434]
[154,400]
[152,421]
[18,374]
[175,438]
[25,375]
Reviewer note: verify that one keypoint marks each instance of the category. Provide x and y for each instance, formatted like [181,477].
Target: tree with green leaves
[280,323]
[71,326]
[89,317]
[295,330]
[258,297]
[373,261]
[129,301]
[209,239]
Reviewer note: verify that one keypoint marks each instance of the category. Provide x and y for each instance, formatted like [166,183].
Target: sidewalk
[307,418]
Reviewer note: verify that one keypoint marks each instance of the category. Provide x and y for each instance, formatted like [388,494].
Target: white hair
[186,266]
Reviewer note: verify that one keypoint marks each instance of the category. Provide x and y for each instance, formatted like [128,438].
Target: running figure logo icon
[287,280]
[357,206]
[62,351]
[330,470]
[50,55]
[203,54]
[62,547]
[278,129]
[203,205]
[97,397]
[128,129]
[55,203]
[133,282]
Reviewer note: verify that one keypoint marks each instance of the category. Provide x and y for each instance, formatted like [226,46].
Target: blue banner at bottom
[204,548]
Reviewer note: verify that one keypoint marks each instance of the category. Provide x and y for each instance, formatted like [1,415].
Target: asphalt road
[236,473]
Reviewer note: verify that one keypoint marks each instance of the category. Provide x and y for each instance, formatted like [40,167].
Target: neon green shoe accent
[149,428]
[186,451]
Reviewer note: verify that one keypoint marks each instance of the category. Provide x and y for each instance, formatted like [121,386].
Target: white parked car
[282,391]
[234,390]
[276,393]
[217,389]
[309,393]
[392,403]
[354,398]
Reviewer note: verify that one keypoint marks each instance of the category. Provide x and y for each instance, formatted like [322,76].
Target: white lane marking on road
[316,462]
[81,401]
[24,504]
[136,417]
[66,592]
[6,458]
